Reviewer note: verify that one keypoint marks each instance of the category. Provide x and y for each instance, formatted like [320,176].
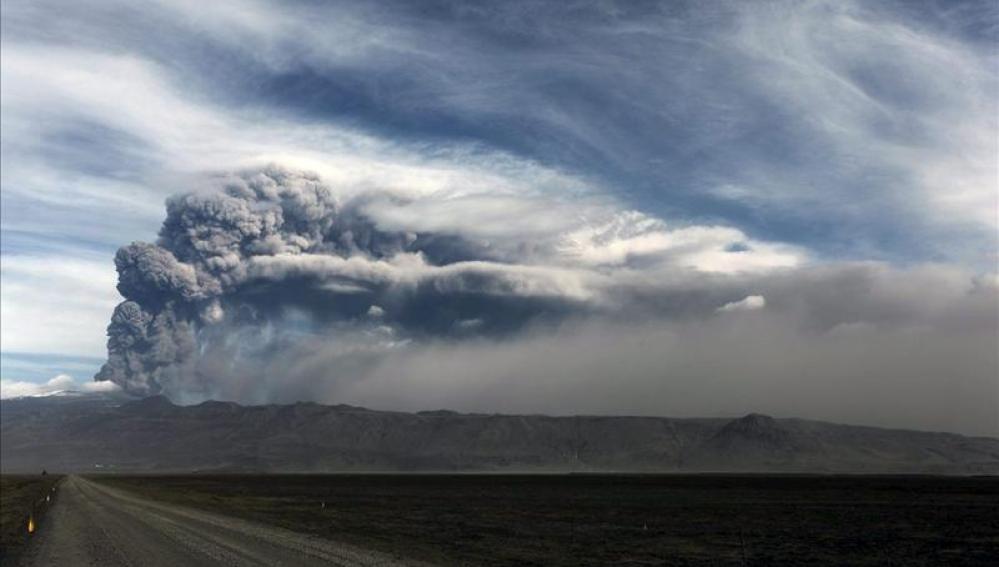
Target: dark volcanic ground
[569,520]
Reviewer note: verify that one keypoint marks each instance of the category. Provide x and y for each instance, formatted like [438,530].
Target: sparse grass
[21,495]
[617,519]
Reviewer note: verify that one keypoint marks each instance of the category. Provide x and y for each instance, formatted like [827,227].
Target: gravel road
[92,524]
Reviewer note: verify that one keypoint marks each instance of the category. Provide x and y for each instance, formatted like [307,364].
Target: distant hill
[102,433]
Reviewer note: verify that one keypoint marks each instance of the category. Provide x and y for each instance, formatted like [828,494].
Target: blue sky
[806,133]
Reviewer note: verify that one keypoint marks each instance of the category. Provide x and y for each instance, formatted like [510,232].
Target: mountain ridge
[79,434]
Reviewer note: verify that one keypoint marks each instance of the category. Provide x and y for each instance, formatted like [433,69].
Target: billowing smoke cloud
[270,286]
[276,253]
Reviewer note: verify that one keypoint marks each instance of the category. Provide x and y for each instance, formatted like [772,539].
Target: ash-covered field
[22,497]
[617,519]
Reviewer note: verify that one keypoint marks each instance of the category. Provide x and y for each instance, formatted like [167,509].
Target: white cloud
[853,83]
[882,96]
[630,235]
[47,88]
[56,304]
[57,384]
[748,303]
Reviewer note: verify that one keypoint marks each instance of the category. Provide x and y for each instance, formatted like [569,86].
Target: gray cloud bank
[270,286]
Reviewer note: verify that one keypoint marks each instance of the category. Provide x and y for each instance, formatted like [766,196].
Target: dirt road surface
[92,524]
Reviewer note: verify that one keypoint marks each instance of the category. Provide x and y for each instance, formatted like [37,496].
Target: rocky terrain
[112,434]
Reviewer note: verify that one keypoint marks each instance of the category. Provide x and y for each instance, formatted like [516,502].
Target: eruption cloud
[277,255]
[270,286]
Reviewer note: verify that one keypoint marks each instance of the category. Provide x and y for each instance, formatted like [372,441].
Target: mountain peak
[754,429]
[755,422]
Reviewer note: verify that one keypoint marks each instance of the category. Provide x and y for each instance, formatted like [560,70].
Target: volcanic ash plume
[274,256]
[270,288]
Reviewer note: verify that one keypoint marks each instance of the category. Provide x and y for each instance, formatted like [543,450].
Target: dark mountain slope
[93,433]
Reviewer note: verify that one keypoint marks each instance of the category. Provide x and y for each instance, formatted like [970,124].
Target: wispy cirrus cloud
[794,121]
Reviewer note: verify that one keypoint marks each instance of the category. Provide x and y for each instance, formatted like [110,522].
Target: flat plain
[21,497]
[566,520]
[95,524]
